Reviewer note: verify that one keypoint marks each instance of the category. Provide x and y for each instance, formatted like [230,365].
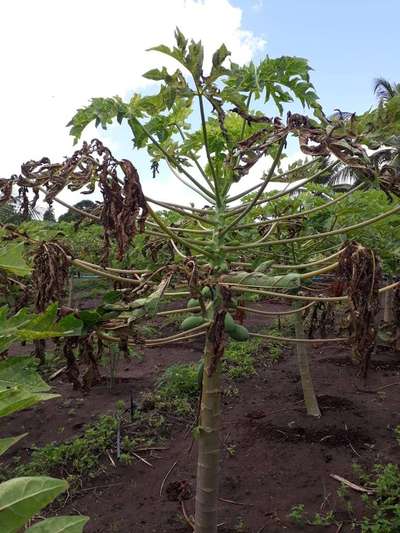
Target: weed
[297,514]
[384,502]
[344,495]
[279,328]
[148,331]
[172,320]
[231,449]
[324,519]
[239,359]
[77,458]
[240,526]
[177,390]
[126,458]
[382,506]
[397,434]
[274,348]
[180,380]
[83,456]
[299,517]
[231,391]
[360,472]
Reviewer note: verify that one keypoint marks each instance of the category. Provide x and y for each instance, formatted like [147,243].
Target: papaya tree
[209,128]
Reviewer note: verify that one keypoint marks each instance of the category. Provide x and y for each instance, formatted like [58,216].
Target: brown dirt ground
[281,456]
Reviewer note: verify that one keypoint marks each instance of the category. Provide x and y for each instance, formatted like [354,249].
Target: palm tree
[385,90]
[386,161]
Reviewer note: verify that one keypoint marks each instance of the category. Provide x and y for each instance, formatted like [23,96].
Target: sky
[56,55]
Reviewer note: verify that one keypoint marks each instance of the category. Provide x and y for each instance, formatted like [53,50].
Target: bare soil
[273,455]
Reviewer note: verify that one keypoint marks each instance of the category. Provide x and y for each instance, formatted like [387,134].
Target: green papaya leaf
[18,371]
[21,498]
[111,297]
[9,326]
[17,398]
[45,326]
[7,442]
[26,327]
[60,524]
[90,317]
[218,58]
[156,74]
[176,54]
[12,259]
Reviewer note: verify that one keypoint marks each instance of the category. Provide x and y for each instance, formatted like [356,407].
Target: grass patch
[177,389]
[86,456]
[75,459]
[383,506]
[239,358]
[381,510]
[173,320]
[148,331]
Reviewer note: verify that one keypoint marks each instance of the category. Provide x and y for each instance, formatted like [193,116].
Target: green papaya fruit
[206,293]
[229,323]
[192,322]
[192,303]
[239,333]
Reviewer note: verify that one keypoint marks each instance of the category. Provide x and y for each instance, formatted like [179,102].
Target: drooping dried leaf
[50,273]
[124,209]
[360,271]
[6,190]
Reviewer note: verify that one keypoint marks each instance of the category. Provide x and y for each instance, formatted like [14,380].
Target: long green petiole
[275,162]
[339,231]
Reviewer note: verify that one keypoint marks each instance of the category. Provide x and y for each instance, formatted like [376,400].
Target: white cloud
[56,55]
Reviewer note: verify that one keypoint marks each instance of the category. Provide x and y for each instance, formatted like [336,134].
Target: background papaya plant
[24,497]
[218,117]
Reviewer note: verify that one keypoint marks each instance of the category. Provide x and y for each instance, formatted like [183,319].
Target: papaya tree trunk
[208,440]
[310,398]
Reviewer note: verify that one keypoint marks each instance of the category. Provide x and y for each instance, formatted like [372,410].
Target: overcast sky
[58,54]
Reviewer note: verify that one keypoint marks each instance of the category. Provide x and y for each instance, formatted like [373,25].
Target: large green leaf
[26,327]
[17,398]
[12,259]
[101,111]
[9,326]
[19,371]
[21,498]
[7,442]
[60,524]
[45,326]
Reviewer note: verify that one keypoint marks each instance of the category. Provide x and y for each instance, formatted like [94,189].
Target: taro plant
[209,128]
